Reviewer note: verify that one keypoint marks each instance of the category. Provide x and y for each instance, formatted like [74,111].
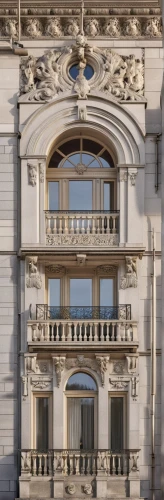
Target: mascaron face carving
[45,77]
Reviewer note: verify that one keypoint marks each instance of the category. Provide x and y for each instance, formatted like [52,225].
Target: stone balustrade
[75,228]
[79,462]
[82,331]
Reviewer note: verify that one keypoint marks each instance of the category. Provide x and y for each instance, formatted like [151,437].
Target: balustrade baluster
[40,464]
[90,336]
[85,332]
[98,225]
[108,463]
[65,466]
[108,224]
[128,332]
[82,465]
[34,335]
[46,332]
[88,225]
[88,467]
[83,225]
[50,464]
[57,332]
[123,332]
[72,224]
[77,464]
[102,332]
[71,463]
[113,332]
[80,332]
[113,465]
[60,224]
[69,338]
[45,465]
[93,225]
[77,225]
[65,231]
[118,333]
[114,224]
[102,224]
[54,229]
[119,465]
[34,468]
[107,331]
[96,332]
[62,326]
[75,332]
[48,228]
[40,332]
[93,464]
[125,465]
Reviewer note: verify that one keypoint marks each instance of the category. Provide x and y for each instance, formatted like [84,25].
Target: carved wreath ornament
[43,78]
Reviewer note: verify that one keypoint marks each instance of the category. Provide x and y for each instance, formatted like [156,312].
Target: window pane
[106,292]
[107,197]
[108,162]
[80,195]
[116,423]
[42,423]
[55,160]
[70,146]
[80,421]
[54,292]
[92,146]
[53,195]
[81,381]
[80,292]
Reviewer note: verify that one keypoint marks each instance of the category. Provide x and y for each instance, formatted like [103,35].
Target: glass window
[81,146]
[117,423]
[42,418]
[54,291]
[53,195]
[81,381]
[80,292]
[88,71]
[106,292]
[80,195]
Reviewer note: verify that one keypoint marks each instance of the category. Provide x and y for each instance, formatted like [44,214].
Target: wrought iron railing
[79,462]
[46,312]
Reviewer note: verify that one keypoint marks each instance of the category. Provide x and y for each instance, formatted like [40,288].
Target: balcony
[78,462]
[79,326]
[86,229]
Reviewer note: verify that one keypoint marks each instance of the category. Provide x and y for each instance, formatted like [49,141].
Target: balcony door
[80,195]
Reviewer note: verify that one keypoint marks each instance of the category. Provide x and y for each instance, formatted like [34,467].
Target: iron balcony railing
[79,462]
[46,312]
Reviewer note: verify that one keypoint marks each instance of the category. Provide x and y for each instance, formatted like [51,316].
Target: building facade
[80,250]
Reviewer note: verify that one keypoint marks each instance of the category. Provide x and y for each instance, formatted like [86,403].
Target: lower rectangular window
[117,422]
[43,422]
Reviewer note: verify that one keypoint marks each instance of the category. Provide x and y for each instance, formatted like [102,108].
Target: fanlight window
[81,151]
[81,381]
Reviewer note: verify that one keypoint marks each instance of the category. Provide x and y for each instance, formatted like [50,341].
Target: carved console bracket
[59,365]
[34,278]
[130,278]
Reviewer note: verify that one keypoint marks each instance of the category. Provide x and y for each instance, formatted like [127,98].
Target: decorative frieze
[41,383]
[130,277]
[56,27]
[55,269]
[118,384]
[83,240]
[34,278]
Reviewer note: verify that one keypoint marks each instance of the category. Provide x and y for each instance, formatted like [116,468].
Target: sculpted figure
[92,27]
[33,28]
[72,27]
[71,489]
[112,27]
[153,27]
[10,28]
[132,27]
[54,27]
[28,72]
[88,489]
[47,71]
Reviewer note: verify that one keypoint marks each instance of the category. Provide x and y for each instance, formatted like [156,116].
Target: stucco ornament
[132,27]
[130,278]
[112,27]
[10,28]
[72,27]
[71,489]
[45,77]
[153,27]
[59,364]
[54,28]
[33,28]
[88,489]
[32,173]
[92,27]
[33,279]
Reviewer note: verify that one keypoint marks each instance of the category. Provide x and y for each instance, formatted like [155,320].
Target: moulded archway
[104,118]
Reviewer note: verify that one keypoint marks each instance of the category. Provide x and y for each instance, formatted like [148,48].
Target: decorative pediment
[46,77]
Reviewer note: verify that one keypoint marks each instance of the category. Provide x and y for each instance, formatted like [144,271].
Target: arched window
[81,391]
[81,176]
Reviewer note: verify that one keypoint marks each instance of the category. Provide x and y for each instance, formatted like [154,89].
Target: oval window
[88,72]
